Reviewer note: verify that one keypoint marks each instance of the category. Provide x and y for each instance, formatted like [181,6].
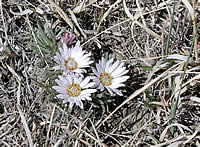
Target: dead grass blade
[82,6]
[90,136]
[14,73]
[132,139]
[58,142]
[95,131]
[50,124]
[195,99]
[149,30]
[140,12]
[195,28]
[197,77]
[27,130]
[2,16]
[162,136]
[76,23]
[27,11]
[63,15]
[175,142]
[28,133]
[192,136]
[189,7]
[138,23]
[107,13]
[105,31]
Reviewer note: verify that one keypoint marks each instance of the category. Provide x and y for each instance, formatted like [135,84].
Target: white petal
[109,90]
[67,53]
[60,83]
[79,71]
[95,71]
[101,87]
[85,63]
[87,91]
[71,104]
[69,78]
[59,89]
[79,103]
[57,67]
[116,85]
[76,80]
[120,79]
[103,63]
[85,82]
[91,84]
[55,87]
[65,80]
[77,44]
[88,98]
[62,96]
[115,75]
[96,81]
[108,64]
[77,53]
[99,70]
[61,51]
[84,57]
[64,46]
[118,71]
[114,66]
[57,58]
[117,92]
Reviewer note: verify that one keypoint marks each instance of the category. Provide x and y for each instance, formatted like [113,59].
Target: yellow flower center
[105,79]
[71,64]
[73,89]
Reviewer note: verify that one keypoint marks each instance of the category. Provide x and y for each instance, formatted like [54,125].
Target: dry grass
[160,106]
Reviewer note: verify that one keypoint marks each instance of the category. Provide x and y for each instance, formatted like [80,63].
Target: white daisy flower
[109,75]
[73,89]
[72,60]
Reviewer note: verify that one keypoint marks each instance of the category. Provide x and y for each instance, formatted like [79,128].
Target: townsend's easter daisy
[67,38]
[72,60]
[74,89]
[110,75]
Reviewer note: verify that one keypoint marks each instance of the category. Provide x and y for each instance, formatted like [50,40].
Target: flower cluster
[72,86]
